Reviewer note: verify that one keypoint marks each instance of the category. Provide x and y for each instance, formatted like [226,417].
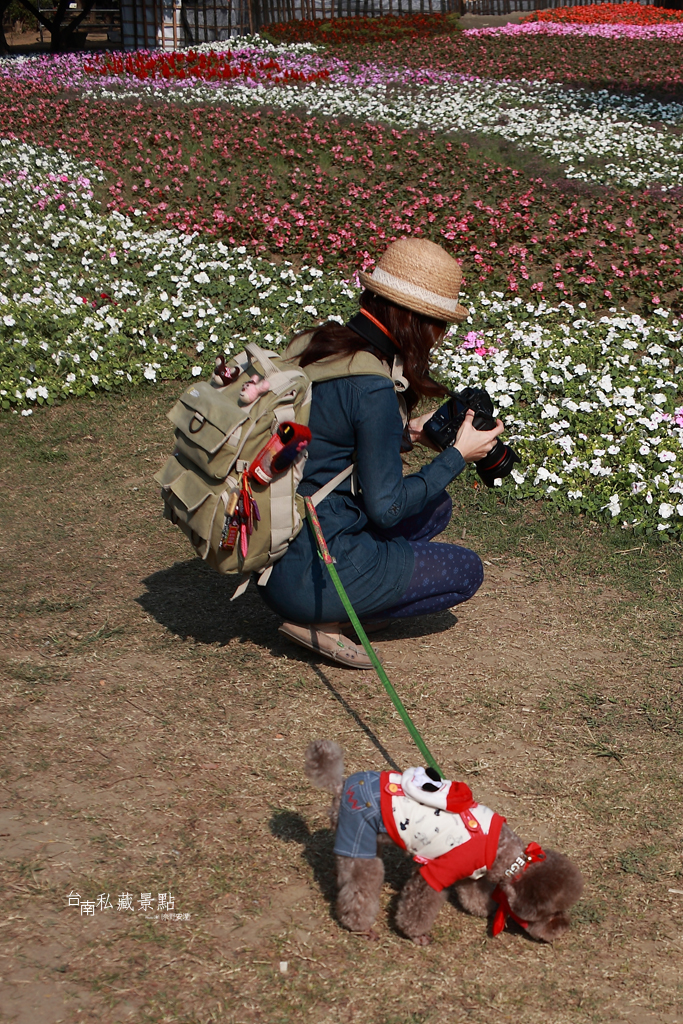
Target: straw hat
[419,275]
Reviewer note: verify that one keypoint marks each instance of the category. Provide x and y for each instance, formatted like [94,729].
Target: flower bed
[93,302]
[335,194]
[140,238]
[617,60]
[196,65]
[90,302]
[362,31]
[596,137]
[671,33]
[607,14]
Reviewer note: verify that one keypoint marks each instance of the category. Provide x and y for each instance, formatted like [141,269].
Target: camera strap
[372,331]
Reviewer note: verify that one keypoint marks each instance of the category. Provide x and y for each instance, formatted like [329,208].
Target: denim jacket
[356,415]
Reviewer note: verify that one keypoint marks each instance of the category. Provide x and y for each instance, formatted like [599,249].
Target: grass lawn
[153,735]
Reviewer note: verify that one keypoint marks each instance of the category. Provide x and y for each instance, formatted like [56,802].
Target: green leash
[355,622]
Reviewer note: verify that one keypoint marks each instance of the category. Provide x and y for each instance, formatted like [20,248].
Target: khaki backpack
[217,437]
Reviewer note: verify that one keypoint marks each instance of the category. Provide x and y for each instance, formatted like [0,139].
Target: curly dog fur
[541,895]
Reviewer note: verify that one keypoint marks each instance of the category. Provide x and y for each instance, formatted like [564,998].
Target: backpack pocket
[210,428]
[194,503]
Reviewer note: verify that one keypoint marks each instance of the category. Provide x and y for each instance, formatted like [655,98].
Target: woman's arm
[388,496]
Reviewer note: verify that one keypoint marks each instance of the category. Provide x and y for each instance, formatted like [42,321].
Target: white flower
[201,277]
[573,495]
[93,355]
[255,311]
[70,378]
[566,444]
[550,411]
[606,383]
[644,449]
[166,314]
[150,373]
[31,394]
[667,456]
[659,399]
[613,505]
[94,378]
[666,510]
[9,321]
[42,391]
[196,371]
[199,346]
[518,477]
[27,412]
[580,369]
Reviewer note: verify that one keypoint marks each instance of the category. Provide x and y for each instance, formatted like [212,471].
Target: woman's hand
[474,444]
[417,434]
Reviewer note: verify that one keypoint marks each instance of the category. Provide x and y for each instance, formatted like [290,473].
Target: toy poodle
[455,842]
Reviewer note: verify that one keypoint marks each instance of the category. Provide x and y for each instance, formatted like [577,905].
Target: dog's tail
[324,767]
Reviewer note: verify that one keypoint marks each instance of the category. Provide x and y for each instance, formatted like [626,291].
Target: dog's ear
[550,928]
[543,894]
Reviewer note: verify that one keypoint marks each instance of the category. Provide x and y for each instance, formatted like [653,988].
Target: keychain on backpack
[231,523]
[241,515]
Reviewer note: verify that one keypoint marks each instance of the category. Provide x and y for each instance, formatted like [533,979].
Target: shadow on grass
[318,852]
[357,719]
[193,601]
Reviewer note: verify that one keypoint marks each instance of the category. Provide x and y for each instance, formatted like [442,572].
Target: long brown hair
[416,336]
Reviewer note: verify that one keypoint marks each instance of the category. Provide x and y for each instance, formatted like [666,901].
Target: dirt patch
[152,737]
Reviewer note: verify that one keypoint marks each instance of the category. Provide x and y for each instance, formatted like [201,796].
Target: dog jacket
[449,835]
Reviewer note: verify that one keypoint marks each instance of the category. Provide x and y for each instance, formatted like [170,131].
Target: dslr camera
[444,425]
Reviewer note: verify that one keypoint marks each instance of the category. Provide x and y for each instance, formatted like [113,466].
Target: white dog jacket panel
[448,844]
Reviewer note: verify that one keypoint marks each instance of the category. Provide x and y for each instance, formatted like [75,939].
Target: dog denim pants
[360,816]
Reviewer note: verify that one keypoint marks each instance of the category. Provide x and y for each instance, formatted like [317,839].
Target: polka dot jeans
[444,574]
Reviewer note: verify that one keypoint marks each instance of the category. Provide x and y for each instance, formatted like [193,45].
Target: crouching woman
[379,524]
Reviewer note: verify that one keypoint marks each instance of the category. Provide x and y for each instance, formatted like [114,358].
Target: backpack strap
[281,501]
[332,484]
[280,505]
[257,353]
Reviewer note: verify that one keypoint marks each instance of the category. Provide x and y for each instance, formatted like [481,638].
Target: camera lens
[497,464]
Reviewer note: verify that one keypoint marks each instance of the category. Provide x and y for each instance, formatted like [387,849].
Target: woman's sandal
[328,640]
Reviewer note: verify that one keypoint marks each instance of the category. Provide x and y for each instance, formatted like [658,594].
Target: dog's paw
[371,935]
[421,940]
